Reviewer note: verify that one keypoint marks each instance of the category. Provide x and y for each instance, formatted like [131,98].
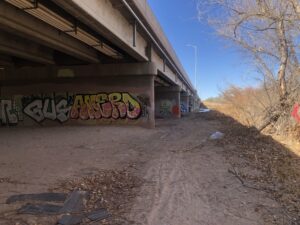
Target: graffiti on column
[145,103]
[176,110]
[8,113]
[66,107]
[167,108]
[183,108]
[113,105]
[40,109]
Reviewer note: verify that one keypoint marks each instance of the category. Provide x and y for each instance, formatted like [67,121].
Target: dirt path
[189,183]
[186,175]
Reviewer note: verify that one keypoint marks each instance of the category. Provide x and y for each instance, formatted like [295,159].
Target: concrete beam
[15,46]
[144,10]
[161,82]
[106,19]
[68,72]
[168,89]
[15,20]
[6,61]
[166,72]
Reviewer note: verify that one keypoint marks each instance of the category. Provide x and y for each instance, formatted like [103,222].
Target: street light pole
[195,47]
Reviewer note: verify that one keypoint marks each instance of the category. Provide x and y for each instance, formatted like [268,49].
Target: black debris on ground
[40,209]
[98,215]
[76,202]
[71,219]
[46,197]
[113,190]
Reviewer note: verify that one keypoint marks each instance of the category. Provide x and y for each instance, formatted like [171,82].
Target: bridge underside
[50,77]
[132,94]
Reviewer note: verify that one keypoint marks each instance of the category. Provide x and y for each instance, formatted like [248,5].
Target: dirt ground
[187,178]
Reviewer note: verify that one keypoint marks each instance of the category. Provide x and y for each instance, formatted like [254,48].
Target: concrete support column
[151,105]
[167,102]
[184,103]
[191,103]
[194,104]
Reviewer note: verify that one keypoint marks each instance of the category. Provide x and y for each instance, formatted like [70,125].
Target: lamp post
[195,47]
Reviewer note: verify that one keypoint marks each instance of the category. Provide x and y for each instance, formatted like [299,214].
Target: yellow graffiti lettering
[78,102]
[133,107]
[115,97]
[114,105]
[101,98]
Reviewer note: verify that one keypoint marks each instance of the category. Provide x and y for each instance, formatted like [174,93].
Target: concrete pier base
[167,102]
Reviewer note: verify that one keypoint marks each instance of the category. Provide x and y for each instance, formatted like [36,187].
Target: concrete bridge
[88,62]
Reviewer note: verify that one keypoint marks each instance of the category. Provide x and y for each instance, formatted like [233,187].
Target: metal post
[134,33]
[196,60]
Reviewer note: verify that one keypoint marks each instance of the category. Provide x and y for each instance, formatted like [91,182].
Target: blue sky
[218,64]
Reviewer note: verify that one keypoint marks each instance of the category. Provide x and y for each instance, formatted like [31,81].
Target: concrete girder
[15,20]
[146,13]
[173,79]
[106,19]
[15,46]
[161,82]
[167,72]
[13,75]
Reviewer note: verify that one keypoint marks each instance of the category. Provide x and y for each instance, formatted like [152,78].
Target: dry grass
[229,109]
[279,168]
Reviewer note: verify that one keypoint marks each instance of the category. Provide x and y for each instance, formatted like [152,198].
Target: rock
[98,215]
[40,209]
[46,197]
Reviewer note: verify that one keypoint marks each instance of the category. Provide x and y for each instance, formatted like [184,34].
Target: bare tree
[267,29]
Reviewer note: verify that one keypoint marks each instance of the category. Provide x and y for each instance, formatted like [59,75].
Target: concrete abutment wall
[88,95]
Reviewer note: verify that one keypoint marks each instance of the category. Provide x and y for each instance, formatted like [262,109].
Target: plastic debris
[217,135]
[203,110]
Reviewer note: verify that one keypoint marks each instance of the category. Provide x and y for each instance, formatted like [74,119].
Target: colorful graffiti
[168,108]
[114,105]
[165,108]
[65,107]
[183,108]
[176,110]
[295,113]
